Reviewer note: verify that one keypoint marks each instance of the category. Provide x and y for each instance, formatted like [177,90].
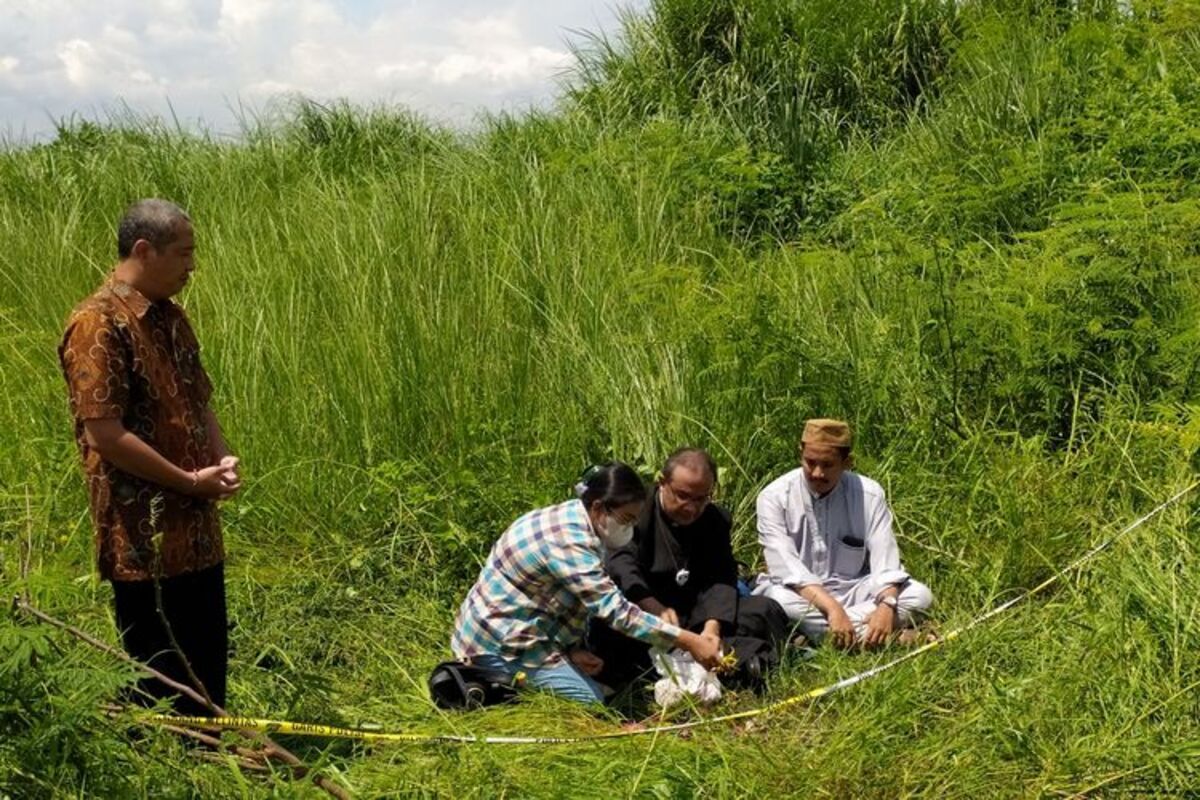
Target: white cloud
[108,60]
[77,56]
[447,59]
[238,14]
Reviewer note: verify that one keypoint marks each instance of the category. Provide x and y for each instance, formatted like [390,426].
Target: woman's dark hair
[613,484]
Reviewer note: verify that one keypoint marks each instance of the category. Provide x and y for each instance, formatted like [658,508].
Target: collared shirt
[127,358]
[835,540]
[541,582]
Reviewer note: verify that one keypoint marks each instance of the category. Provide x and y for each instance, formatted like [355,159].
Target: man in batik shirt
[153,454]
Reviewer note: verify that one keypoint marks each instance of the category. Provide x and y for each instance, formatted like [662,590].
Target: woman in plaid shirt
[545,578]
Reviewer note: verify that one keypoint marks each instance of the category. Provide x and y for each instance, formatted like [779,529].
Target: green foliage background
[969,228]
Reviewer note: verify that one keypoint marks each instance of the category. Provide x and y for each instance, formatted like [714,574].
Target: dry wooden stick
[271,748]
[245,758]
[247,764]
[213,741]
[113,710]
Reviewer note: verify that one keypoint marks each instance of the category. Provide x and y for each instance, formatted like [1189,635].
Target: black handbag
[456,686]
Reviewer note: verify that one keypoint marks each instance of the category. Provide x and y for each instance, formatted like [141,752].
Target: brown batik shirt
[128,358]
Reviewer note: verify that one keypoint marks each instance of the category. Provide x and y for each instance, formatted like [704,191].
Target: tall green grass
[967,228]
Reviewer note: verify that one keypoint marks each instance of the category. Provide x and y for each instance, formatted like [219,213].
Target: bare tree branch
[270,748]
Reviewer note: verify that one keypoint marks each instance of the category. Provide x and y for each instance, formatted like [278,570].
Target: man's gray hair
[154,220]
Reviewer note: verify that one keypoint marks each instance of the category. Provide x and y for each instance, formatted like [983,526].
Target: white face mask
[615,535]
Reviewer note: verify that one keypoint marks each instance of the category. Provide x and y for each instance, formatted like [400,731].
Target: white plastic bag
[682,678]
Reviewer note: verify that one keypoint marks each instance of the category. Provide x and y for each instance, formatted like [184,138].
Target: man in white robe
[832,560]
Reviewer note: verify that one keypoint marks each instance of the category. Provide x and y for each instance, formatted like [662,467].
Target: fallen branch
[271,749]
[249,765]
[115,711]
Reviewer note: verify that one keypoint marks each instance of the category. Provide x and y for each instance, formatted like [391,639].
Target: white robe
[842,542]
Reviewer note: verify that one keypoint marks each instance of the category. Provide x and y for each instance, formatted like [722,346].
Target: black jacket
[648,566]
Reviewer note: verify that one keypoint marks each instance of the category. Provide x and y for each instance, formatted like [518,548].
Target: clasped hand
[221,481]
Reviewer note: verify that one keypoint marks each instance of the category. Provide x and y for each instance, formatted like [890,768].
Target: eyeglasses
[688,498]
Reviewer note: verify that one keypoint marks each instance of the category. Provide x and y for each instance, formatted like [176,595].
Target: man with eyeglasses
[680,567]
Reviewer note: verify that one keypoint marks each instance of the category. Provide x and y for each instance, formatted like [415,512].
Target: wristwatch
[891,602]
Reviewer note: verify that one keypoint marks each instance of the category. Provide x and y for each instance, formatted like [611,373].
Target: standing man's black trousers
[194,607]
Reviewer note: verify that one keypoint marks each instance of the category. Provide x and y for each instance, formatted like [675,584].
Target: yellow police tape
[334,732]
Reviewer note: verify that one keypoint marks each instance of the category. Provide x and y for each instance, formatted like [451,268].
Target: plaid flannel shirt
[542,581]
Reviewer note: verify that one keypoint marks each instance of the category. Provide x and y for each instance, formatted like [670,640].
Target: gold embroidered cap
[832,432]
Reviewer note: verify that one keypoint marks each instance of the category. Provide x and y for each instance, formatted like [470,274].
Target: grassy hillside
[969,228]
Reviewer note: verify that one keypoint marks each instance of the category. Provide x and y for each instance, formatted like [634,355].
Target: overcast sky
[208,57]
